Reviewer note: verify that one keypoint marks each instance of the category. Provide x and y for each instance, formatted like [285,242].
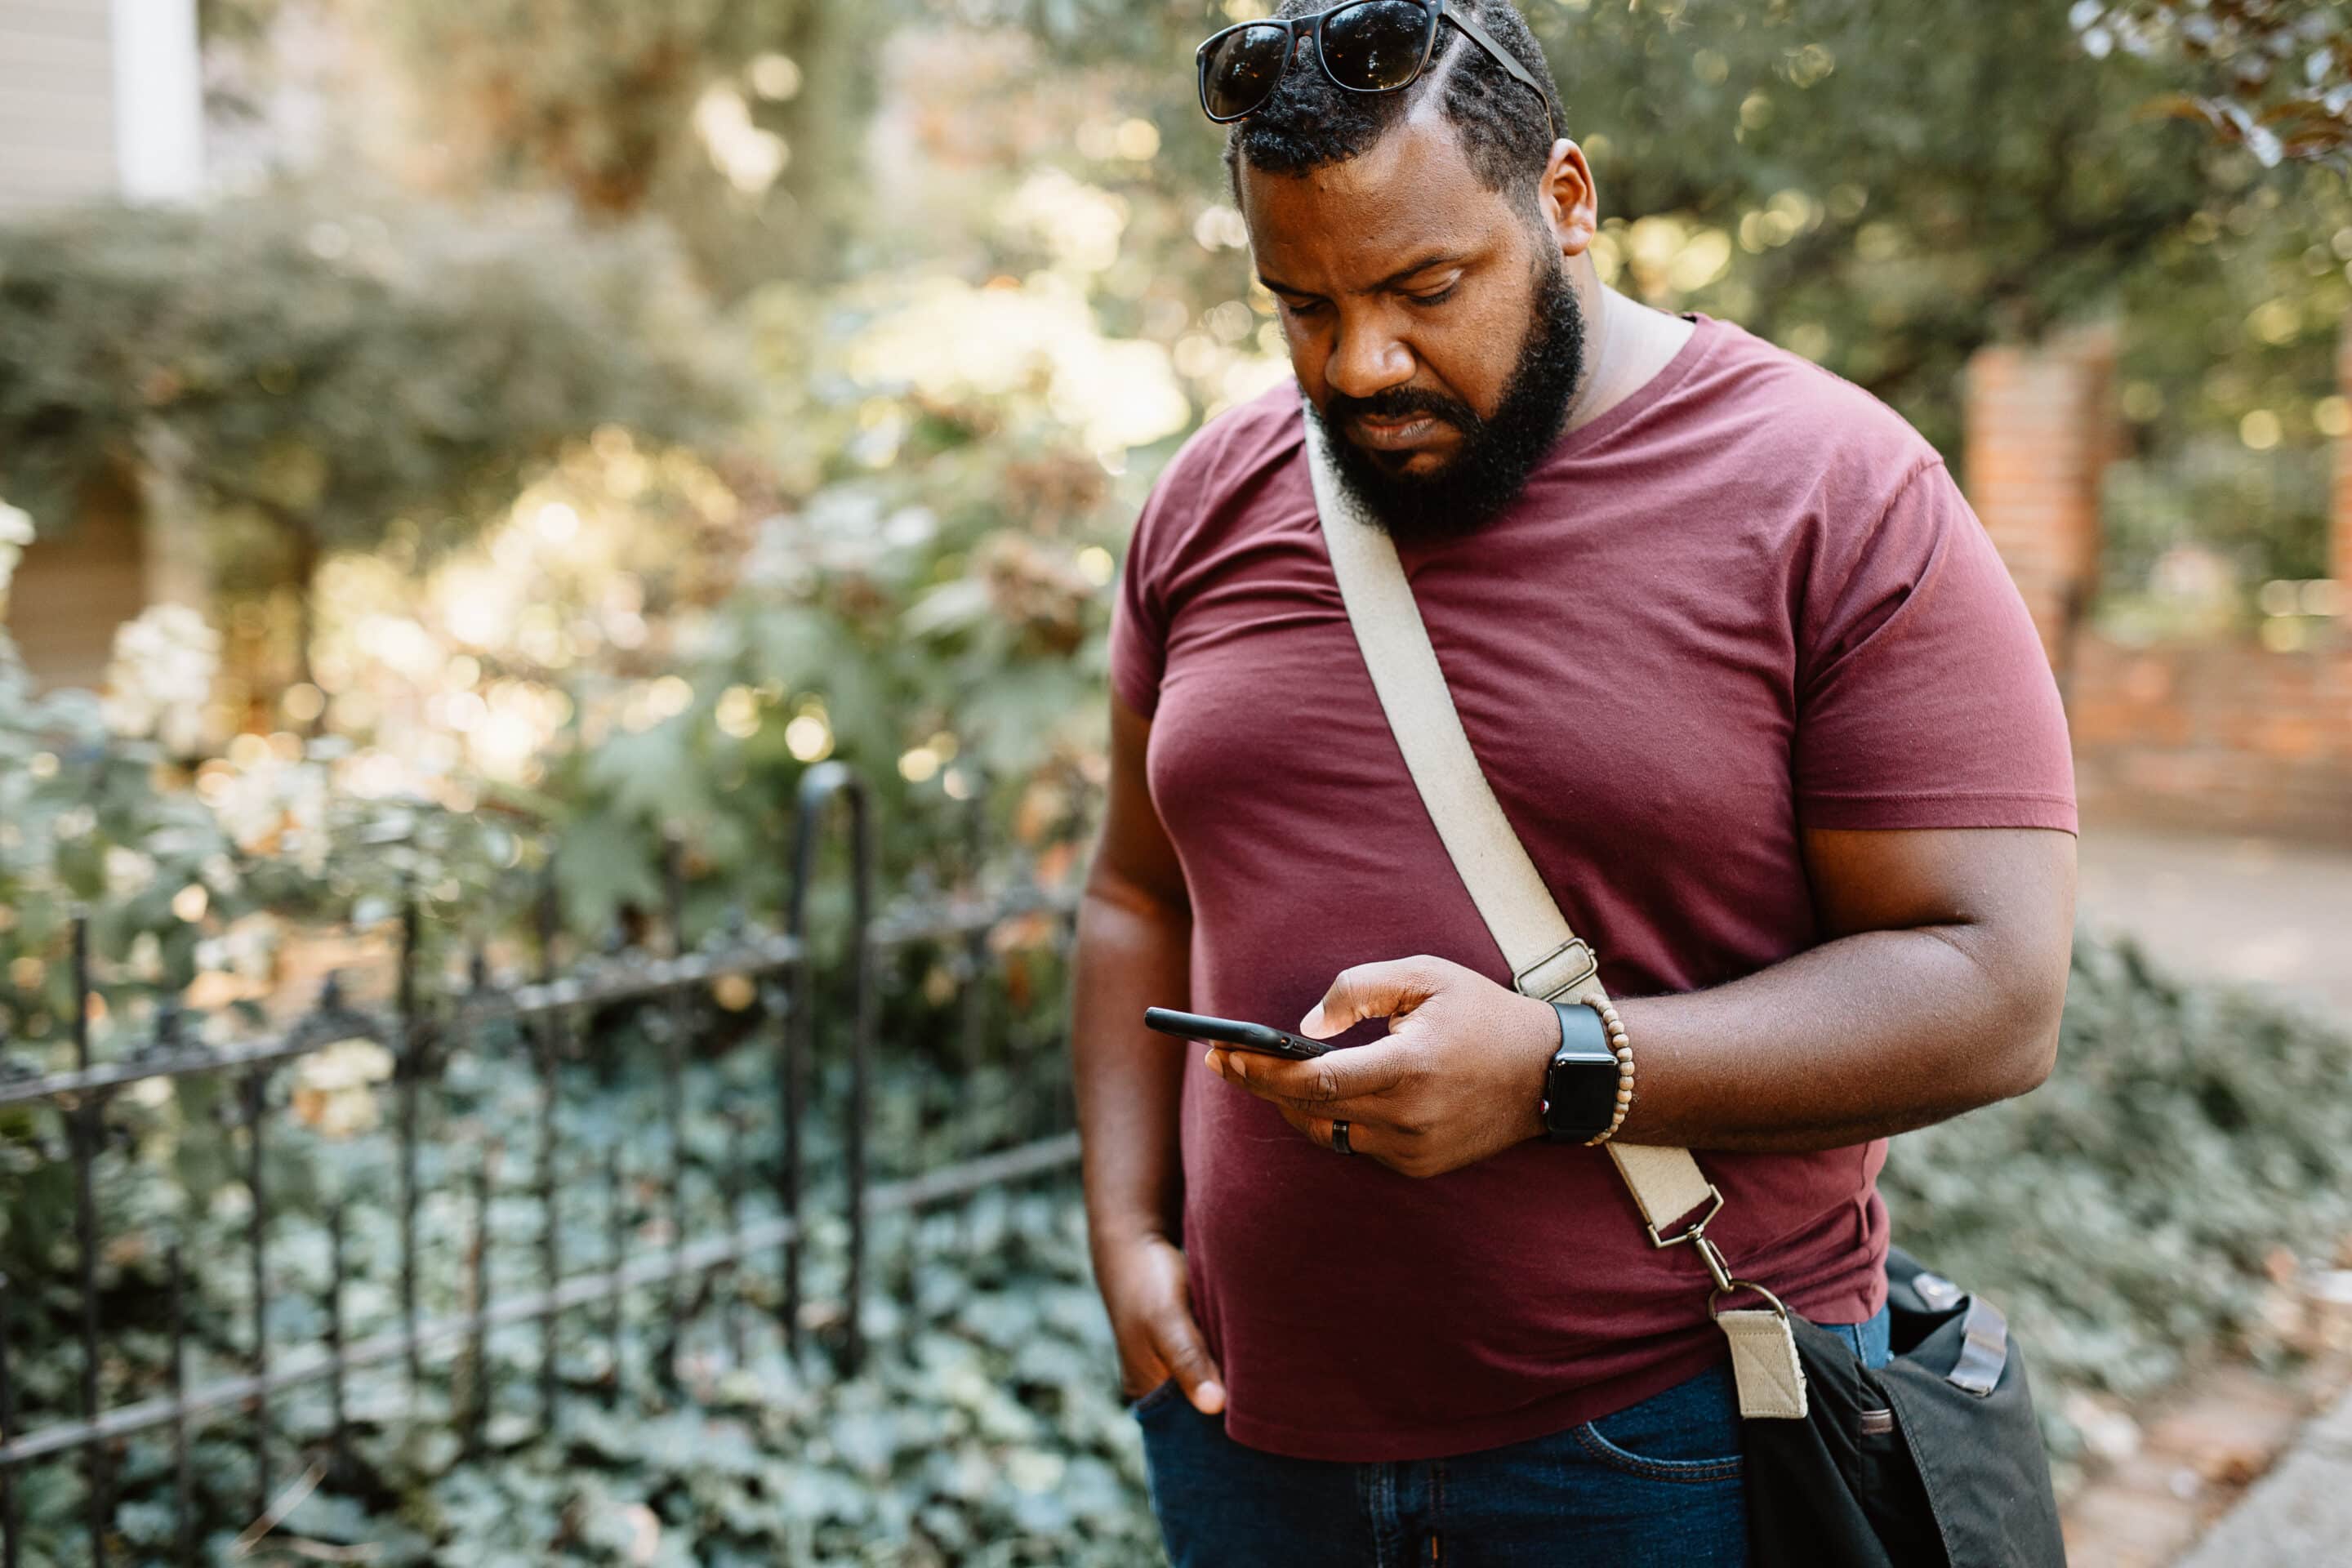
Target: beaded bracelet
[1623,1050]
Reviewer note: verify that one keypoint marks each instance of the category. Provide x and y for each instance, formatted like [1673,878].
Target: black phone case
[1234,1031]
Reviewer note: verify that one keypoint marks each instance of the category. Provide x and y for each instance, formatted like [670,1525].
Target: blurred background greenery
[563,422]
[541,394]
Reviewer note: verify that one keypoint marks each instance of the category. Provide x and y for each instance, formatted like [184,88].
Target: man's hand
[1459,1077]
[1142,1283]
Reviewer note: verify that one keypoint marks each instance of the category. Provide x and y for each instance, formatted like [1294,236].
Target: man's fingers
[1318,1127]
[1178,1339]
[1133,1385]
[1373,991]
[1398,1148]
[1325,1082]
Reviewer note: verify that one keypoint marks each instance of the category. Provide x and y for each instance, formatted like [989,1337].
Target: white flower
[146,956]
[128,872]
[15,532]
[308,794]
[161,677]
[334,1089]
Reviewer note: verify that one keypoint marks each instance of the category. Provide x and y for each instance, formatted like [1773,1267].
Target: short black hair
[1309,123]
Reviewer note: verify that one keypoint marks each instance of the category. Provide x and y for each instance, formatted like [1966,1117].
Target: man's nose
[1367,360]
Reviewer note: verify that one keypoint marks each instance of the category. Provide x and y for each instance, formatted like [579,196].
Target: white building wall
[99,98]
[56,102]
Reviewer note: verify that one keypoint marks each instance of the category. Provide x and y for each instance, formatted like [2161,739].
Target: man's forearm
[1133,953]
[1859,1038]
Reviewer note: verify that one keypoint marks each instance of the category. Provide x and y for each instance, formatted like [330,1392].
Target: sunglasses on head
[1365,45]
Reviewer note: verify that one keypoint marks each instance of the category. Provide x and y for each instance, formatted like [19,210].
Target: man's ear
[1567,198]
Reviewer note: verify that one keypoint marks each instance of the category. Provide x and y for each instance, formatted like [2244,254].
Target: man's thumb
[1189,1361]
[1366,991]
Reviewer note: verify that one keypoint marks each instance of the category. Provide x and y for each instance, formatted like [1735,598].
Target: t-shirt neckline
[1650,393]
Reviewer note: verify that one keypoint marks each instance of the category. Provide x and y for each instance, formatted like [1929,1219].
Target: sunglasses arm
[1504,58]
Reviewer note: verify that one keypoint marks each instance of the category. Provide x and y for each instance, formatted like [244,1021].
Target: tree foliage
[329,366]
[740,121]
[2272,75]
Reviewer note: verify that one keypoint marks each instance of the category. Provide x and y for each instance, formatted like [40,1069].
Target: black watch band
[1579,1098]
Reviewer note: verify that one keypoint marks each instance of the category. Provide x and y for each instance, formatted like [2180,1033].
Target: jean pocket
[1689,1433]
[1155,1398]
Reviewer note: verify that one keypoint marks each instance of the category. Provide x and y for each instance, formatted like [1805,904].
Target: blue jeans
[1654,1486]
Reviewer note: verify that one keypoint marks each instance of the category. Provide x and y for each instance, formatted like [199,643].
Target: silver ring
[1339,1137]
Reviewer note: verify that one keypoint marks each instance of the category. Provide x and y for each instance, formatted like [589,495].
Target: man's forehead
[1353,224]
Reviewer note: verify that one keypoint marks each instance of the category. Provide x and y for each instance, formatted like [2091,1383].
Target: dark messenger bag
[1931,1461]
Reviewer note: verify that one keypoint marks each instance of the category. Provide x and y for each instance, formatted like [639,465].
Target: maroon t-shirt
[1747,600]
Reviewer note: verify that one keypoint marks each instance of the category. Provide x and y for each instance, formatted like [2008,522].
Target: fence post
[548,1039]
[411,1068]
[818,786]
[9,1523]
[253,1088]
[673,877]
[86,1129]
[184,1490]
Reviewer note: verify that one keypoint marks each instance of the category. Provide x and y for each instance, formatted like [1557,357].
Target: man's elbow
[2029,1033]
[2030,1065]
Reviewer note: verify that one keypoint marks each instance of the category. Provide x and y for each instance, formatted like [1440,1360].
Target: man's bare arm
[1135,934]
[1940,993]
[1134,943]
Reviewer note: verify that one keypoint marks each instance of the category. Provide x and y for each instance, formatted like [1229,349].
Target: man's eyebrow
[1423,264]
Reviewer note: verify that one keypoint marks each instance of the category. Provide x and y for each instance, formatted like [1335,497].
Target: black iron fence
[759,1243]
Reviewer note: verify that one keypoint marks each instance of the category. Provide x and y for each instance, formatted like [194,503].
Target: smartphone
[1233,1032]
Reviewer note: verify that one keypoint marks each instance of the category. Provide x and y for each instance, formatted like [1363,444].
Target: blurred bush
[191,878]
[2130,1215]
[2191,1152]
[323,367]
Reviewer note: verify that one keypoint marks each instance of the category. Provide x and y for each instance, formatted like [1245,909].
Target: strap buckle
[1697,1232]
[1584,963]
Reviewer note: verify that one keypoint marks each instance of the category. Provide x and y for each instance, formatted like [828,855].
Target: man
[1751,684]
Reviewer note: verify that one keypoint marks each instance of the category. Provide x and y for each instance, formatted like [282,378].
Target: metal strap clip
[1698,1226]
[1586,962]
[1717,1268]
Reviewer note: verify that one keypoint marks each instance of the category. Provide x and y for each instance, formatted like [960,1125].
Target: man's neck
[1636,343]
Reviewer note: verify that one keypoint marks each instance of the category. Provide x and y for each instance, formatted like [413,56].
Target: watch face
[1584,1094]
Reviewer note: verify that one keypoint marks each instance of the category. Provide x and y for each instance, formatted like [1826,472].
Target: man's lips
[1397,434]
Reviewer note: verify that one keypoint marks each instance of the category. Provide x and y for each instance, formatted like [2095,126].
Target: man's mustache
[1399,403]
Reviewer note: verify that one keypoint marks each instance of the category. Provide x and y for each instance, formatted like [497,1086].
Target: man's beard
[1497,453]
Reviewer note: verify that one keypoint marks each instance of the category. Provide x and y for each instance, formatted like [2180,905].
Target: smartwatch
[1580,1097]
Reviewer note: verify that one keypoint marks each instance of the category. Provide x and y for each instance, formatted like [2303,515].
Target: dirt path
[2276,915]
[2236,909]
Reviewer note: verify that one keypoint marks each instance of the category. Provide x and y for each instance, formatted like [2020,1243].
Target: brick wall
[2231,737]
[2040,431]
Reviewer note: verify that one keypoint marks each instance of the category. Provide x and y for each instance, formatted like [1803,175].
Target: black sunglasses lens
[1239,68]
[1378,45]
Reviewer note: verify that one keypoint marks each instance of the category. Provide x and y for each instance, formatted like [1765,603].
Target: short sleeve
[1138,621]
[1924,696]
[1139,626]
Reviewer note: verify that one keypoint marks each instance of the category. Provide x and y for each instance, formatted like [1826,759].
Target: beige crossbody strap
[1547,959]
